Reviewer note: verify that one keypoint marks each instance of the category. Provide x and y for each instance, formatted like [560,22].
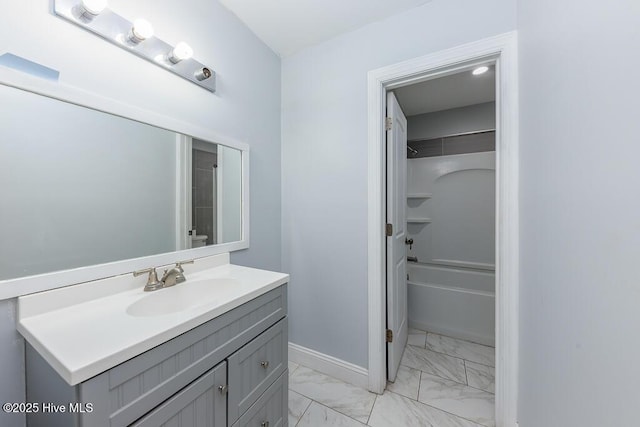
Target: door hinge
[389,335]
[389,230]
[388,123]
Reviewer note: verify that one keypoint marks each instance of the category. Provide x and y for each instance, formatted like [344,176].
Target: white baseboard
[329,365]
[454,333]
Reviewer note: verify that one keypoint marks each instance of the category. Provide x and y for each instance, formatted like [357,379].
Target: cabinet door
[270,410]
[200,404]
[254,367]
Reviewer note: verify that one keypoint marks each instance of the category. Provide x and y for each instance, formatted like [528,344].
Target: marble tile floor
[442,382]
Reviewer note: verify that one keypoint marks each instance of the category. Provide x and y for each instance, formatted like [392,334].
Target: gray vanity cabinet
[229,371]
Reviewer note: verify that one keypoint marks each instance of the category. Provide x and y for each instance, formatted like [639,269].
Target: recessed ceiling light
[480,70]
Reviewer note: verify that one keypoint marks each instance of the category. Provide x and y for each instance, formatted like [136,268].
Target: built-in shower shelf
[418,220]
[419,196]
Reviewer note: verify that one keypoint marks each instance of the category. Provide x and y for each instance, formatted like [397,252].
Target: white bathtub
[451,301]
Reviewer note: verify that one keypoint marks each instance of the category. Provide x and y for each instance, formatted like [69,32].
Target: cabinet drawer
[133,388]
[200,404]
[270,410]
[254,367]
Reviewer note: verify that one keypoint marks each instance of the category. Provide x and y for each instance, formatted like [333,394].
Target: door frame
[183,191]
[501,50]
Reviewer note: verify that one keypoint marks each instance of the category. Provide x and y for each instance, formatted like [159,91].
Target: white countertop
[84,330]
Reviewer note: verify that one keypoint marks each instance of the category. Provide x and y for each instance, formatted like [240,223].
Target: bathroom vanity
[131,189]
[208,352]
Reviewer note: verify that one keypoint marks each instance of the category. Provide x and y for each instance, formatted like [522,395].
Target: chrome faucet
[169,278]
[175,275]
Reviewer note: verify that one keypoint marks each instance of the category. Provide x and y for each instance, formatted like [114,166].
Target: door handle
[408,242]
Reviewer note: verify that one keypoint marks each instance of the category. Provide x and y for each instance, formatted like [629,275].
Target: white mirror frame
[29,284]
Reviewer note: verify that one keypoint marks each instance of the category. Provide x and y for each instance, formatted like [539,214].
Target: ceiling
[288,26]
[444,93]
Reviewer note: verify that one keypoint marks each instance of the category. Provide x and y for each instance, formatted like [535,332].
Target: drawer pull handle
[265,365]
[223,389]
[264,424]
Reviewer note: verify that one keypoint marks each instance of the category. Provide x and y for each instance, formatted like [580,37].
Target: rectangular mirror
[81,187]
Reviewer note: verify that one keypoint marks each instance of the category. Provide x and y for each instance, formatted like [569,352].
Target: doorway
[441,254]
[499,52]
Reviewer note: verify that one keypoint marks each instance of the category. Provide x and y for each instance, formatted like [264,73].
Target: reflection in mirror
[204,200]
[80,187]
[216,209]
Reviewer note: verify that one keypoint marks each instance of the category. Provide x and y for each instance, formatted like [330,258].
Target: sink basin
[178,298]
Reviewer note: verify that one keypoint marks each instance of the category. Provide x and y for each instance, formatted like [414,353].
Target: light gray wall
[580,207]
[246,105]
[471,118]
[324,159]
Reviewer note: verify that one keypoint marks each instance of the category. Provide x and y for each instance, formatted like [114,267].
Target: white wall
[471,118]
[324,158]
[462,208]
[245,107]
[580,205]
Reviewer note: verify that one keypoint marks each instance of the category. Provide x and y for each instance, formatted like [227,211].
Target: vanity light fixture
[480,70]
[136,37]
[179,53]
[140,31]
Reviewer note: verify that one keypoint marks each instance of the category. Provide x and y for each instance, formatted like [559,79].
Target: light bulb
[181,52]
[141,30]
[480,70]
[93,7]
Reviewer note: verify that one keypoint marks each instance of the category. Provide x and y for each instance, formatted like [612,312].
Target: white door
[397,224]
